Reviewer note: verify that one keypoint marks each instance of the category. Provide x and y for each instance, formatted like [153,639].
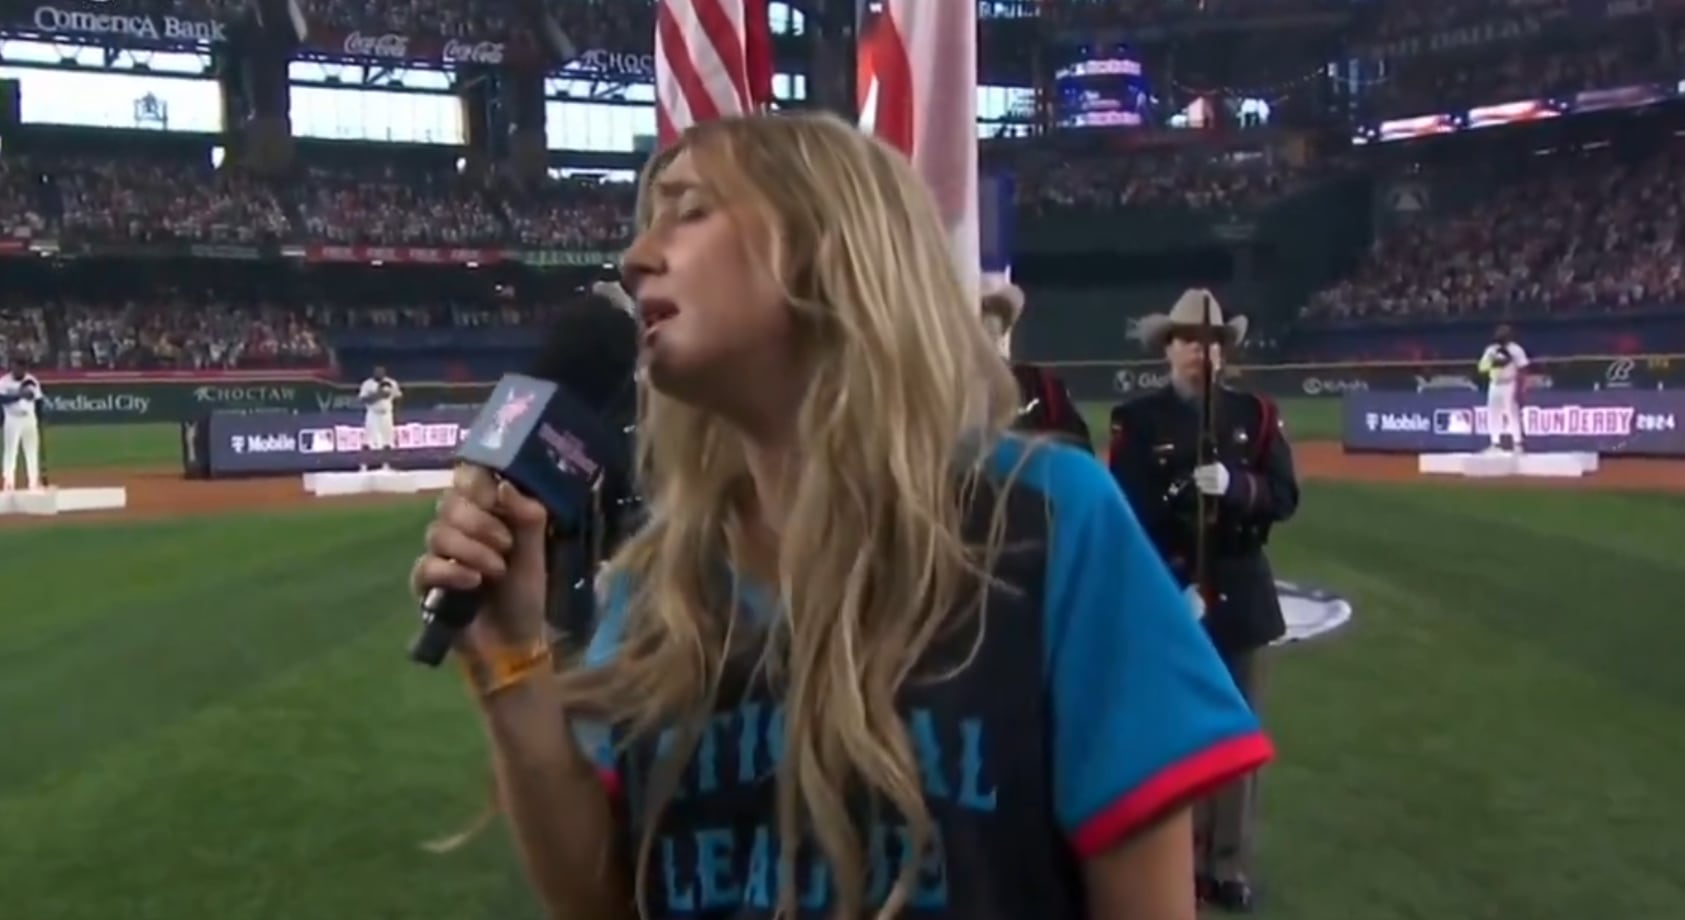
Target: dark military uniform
[1154,450]
[1047,407]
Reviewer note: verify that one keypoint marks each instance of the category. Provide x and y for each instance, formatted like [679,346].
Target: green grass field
[212,717]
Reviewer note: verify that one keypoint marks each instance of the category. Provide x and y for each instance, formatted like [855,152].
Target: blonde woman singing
[870,655]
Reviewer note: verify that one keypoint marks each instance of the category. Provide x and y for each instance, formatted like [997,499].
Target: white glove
[1196,601]
[1212,479]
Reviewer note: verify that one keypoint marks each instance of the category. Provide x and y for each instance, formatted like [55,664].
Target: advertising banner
[1509,23]
[435,255]
[95,23]
[399,47]
[243,444]
[1649,423]
[1099,381]
[617,65]
[91,402]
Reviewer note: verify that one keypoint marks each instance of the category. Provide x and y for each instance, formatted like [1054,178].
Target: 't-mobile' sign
[241,444]
[1618,422]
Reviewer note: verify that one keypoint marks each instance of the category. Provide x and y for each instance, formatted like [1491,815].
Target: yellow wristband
[491,671]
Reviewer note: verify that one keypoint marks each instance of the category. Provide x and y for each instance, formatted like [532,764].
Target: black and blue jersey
[1092,706]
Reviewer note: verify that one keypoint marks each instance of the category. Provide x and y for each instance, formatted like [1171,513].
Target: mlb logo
[347,439]
[315,441]
[1453,421]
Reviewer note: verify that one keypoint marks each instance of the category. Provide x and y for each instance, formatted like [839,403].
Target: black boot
[1234,897]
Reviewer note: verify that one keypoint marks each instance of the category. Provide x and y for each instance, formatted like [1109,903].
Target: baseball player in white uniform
[19,392]
[1503,363]
[378,394]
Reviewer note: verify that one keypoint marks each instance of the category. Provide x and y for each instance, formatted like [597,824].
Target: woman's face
[711,310]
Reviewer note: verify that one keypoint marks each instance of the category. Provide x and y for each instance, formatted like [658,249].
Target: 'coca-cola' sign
[390,45]
[460,52]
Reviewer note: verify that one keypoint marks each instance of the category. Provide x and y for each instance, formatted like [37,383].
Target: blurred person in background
[1045,404]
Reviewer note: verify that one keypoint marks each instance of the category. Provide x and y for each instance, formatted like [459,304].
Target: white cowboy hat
[1009,295]
[1189,313]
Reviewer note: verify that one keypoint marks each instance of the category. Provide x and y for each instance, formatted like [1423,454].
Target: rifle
[1205,452]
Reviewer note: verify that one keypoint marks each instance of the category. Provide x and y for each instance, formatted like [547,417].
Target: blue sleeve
[595,738]
[1145,715]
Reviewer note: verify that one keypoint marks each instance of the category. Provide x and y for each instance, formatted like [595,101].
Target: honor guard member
[1249,486]
[1047,406]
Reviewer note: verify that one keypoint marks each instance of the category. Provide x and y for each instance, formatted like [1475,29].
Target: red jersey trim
[610,781]
[1175,785]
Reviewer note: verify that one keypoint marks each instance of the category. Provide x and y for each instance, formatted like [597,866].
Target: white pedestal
[54,500]
[376,482]
[1497,464]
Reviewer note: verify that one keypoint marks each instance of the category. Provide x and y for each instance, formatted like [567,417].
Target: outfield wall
[102,399]
[1112,381]
[175,397]
[1610,422]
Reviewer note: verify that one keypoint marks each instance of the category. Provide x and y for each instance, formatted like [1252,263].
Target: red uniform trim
[1176,785]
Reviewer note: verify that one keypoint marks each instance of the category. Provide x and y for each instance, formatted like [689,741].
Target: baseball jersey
[1503,362]
[1094,704]
[13,385]
[382,405]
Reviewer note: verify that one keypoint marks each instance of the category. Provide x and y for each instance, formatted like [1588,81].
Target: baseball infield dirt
[159,493]
[162,492]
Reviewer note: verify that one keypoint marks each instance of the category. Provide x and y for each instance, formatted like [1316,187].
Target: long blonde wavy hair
[872,567]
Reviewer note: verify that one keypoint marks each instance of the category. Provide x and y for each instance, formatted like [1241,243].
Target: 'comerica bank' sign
[164,29]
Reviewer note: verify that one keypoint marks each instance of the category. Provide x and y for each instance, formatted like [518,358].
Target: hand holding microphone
[541,452]
[488,540]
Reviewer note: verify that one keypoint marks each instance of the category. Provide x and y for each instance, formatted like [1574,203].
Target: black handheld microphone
[549,433]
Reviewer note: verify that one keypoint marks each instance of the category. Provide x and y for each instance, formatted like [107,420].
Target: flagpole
[1206,452]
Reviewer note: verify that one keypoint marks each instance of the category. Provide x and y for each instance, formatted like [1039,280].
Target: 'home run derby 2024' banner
[240,444]
[1643,423]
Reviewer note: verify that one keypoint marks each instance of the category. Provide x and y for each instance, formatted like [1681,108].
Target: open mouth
[652,313]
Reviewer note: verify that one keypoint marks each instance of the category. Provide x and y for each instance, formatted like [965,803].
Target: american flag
[917,87]
[712,58]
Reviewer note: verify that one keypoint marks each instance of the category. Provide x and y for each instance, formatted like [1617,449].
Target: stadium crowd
[1581,232]
[385,205]
[1134,12]
[20,201]
[156,201]
[570,214]
[180,334]
[1193,177]
[23,333]
[153,200]
[1490,76]
[444,315]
